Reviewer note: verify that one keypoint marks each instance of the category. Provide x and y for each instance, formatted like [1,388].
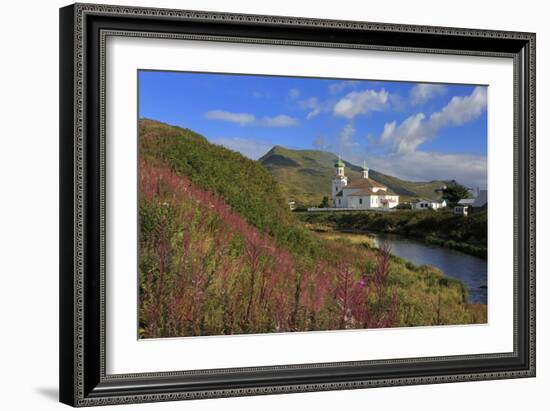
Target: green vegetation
[244,184]
[221,253]
[454,192]
[467,234]
[324,202]
[305,176]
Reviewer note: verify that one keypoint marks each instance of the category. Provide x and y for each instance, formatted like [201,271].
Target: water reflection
[471,270]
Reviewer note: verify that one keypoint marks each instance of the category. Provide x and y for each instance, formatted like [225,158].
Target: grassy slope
[253,193]
[305,175]
[244,184]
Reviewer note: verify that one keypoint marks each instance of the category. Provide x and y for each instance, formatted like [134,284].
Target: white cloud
[239,118]
[313,106]
[407,162]
[416,129]
[281,120]
[407,136]
[388,132]
[346,136]
[335,88]
[468,169]
[423,92]
[247,119]
[294,93]
[361,102]
[461,109]
[250,148]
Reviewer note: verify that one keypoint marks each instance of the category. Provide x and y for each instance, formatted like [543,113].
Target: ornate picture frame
[84,30]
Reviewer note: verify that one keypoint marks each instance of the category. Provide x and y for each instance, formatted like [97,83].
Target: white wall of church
[365,202]
[357,202]
[393,201]
[341,202]
[374,201]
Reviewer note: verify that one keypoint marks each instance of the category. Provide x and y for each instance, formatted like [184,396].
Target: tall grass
[204,270]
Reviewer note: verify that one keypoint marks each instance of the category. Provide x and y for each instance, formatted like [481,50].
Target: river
[471,270]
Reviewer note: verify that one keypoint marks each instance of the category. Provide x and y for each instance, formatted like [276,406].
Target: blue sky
[416,131]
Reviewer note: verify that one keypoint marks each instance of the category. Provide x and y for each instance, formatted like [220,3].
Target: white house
[426,204]
[364,193]
[461,210]
[467,205]
[466,201]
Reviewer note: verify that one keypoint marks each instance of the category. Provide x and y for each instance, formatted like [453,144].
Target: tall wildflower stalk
[362,302]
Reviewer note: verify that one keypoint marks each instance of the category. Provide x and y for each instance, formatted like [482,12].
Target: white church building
[364,193]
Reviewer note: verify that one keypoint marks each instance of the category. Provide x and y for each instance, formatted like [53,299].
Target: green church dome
[339,163]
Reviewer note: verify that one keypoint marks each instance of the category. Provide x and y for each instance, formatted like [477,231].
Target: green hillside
[305,176]
[244,184]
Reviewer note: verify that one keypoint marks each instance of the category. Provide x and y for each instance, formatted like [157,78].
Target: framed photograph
[261,204]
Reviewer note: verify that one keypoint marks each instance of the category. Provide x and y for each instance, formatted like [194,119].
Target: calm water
[471,270]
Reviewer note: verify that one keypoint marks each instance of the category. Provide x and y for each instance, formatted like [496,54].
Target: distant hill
[305,176]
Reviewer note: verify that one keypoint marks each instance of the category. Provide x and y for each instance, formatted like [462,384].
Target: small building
[292,204]
[420,204]
[437,204]
[461,210]
[472,205]
[466,201]
[428,204]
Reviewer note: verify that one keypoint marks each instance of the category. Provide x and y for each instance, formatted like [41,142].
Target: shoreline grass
[465,234]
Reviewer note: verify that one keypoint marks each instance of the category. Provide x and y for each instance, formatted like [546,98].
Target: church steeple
[365,170]
[338,183]
[339,165]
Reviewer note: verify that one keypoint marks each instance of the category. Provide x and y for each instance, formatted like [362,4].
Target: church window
[360,201]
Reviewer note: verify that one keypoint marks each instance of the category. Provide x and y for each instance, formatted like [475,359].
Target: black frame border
[83,30]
